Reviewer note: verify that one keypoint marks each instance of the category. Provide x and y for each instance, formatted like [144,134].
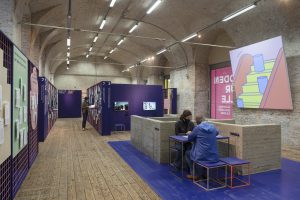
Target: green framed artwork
[20,101]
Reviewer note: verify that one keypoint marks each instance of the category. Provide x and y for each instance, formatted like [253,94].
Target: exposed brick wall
[6,20]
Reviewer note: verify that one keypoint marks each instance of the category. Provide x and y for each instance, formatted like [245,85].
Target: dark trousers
[84,118]
[178,159]
[199,171]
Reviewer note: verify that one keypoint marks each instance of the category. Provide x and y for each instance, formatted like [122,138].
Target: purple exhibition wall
[33,142]
[135,95]
[69,103]
[43,109]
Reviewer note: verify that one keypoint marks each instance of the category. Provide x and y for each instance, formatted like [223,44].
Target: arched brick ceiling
[172,20]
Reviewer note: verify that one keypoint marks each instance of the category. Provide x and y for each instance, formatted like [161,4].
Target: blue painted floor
[277,184]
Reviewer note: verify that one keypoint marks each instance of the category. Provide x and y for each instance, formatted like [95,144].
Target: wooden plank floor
[73,164]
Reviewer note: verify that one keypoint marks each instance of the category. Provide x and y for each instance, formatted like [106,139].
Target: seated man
[199,119]
[204,146]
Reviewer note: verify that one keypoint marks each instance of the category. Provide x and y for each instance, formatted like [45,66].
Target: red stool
[238,180]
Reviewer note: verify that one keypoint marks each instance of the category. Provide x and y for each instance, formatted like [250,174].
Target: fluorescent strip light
[133,28]
[112,3]
[95,39]
[91,48]
[68,68]
[68,42]
[120,42]
[68,62]
[68,54]
[239,12]
[87,55]
[69,48]
[189,37]
[105,57]
[144,60]
[161,51]
[112,51]
[131,67]
[102,24]
[154,6]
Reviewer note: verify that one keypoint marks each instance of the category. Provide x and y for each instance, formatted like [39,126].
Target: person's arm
[177,128]
[192,136]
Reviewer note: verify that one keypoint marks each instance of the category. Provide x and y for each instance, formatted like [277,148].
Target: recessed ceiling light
[161,51]
[120,42]
[91,48]
[68,62]
[189,37]
[105,57]
[87,55]
[102,24]
[239,12]
[133,28]
[68,54]
[154,6]
[95,39]
[68,42]
[112,3]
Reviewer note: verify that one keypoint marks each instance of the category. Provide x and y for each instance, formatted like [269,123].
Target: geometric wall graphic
[260,76]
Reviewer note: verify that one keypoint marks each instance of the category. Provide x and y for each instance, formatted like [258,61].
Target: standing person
[205,148]
[85,112]
[183,127]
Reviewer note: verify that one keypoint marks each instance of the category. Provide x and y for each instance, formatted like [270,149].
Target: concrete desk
[151,135]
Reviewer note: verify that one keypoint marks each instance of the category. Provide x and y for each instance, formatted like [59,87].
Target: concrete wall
[249,28]
[260,144]
[184,80]
[83,75]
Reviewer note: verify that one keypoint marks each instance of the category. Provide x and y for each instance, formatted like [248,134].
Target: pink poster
[221,93]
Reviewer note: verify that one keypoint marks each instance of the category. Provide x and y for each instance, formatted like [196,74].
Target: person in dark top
[183,127]
[205,148]
[85,112]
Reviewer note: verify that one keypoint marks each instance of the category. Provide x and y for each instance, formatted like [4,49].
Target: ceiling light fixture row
[193,35]
[103,22]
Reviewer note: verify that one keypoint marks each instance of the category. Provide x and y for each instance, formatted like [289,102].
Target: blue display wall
[48,107]
[105,118]
[69,103]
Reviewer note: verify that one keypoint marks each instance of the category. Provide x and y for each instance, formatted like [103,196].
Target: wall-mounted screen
[121,106]
[261,76]
[149,105]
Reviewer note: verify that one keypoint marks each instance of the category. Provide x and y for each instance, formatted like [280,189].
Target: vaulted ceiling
[172,21]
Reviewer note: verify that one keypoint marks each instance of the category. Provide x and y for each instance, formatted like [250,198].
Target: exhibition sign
[20,103]
[221,93]
[5,133]
[261,76]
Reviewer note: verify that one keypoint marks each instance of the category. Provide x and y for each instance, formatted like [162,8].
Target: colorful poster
[20,85]
[34,90]
[5,132]
[221,93]
[261,76]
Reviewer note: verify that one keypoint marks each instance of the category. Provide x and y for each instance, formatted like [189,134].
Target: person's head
[86,98]
[199,119]
[186,115]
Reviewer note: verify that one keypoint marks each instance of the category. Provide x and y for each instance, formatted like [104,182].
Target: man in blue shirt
[204,148]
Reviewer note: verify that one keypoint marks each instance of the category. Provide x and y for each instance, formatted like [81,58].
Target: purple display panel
[43,109]
[6,167]
[33,143]
[19,170]
[5,179]
[69,103]
[7,46]
[135,95]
